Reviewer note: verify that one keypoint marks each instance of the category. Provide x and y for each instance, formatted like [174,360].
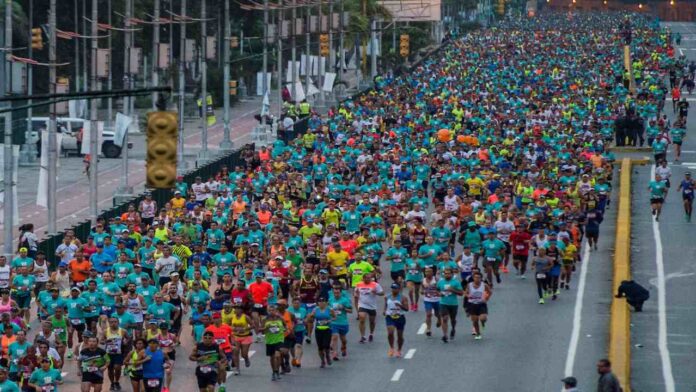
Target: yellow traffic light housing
[233,87]
[37,38]
[324,47]
[234,41]
[500,7]
[162,140]
[404,45]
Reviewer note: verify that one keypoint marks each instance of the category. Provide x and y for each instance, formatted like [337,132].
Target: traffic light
[234,41]
[233,87]
[162,139]
[324,47]
[500,7]
[37,38]
[404,45]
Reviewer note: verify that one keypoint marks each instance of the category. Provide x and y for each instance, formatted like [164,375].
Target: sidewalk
[73,185]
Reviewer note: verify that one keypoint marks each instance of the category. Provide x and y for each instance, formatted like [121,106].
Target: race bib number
[92,369]
[258,306]
[541,276]
[75,321]
[48,388]
[59,331]
[206,369]
[237,300]
[274,330]
[413,272]
[153,383]
[219,341]
[490,258]
[519,247]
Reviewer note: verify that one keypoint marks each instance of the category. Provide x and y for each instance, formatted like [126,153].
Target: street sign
[103,56]
[163,55]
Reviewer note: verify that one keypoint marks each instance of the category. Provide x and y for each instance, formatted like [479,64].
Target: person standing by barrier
[607,380]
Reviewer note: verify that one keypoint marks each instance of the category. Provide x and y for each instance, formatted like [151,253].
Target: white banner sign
[329,80]
[299,90]
[259,82]
[86,134]
[121,127]
[42,191]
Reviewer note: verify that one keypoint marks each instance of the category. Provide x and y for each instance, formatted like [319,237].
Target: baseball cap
[571,381]
[395,286]
[62,264]
[23,250]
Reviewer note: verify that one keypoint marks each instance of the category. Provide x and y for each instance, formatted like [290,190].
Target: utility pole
[321,61]
[181,163]
[93,131]
[226,144]
[77,46]
[373,48]
[84,46]
[28,154]
[109,80]
[52,126]
[155,51]
[308,41]
[332,52]
[264,77]
[293,53]
[124,190]
[280,58]
[8,164]
[341,41]
[203,155]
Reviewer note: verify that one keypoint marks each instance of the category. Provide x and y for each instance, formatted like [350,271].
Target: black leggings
[542,285]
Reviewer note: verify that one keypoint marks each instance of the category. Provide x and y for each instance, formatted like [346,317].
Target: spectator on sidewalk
[607,380]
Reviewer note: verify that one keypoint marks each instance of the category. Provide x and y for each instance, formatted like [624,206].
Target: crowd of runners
[417,200]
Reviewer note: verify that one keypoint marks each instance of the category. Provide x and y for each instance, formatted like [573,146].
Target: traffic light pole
[280,58]
[155,51]
[93,131]
[203,155]
[293,53]
[109,80]
[124,191]
[226,144]
[264,77]
[52,126]
[8,202]
[180,162]
[27,156]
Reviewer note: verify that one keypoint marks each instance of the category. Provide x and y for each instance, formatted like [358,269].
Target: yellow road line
[619,332]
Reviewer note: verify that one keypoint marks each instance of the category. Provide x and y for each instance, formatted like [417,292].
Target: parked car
[71,129]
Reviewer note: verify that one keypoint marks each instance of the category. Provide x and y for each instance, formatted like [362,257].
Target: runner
[210,359]
[542,267]
[92,362]
[341,307]
[394,307]
[431,300]
[366,293]
[241,329]
[687,189]
[658,190]
[477,294]
[113,339]
[323,316]
[449,288]
[274,330]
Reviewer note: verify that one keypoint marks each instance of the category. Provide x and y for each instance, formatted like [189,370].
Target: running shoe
[323,364]
[370,338]
[334,356]
[444,339]
[428,334]
[497,279]
[165,389]
[415,307]
[558,292]
[221,388]
[390,353]
[397,354]
[308,340]
[362,340]
[504,269]
[562,285]
[541,301]
[554,297]
[523,276]
[478,337]
[275,378]
[247,362]
[568,286]
[70,354]
[473,331]
[235,372]
[344,351]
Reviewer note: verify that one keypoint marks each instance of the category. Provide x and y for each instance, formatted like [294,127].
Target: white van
[71,128]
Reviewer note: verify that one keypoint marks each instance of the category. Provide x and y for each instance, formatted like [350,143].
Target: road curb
[619,330]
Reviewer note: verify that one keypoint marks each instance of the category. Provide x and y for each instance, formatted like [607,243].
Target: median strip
[619,331]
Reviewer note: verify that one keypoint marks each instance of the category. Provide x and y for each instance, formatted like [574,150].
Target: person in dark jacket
[635,294]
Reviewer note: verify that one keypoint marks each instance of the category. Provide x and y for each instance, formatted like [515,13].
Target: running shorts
[115,359]
[206,375]
[399,322]
[152,384]
[339,329]
[371,312]
[271,349]
[448,310]
[395,275]
[323,337]
[299,337]
[432,306]
[478,309]
[289,342]
[93,378]
[656,200]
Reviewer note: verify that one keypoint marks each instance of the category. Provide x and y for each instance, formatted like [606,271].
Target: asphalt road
[668,366]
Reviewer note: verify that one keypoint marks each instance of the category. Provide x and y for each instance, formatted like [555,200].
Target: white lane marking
[410,353]
[654,281]
[681,52]
[662,305]
[422,329]
[251,353]
[63,374]
[577,315]
[397,374]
